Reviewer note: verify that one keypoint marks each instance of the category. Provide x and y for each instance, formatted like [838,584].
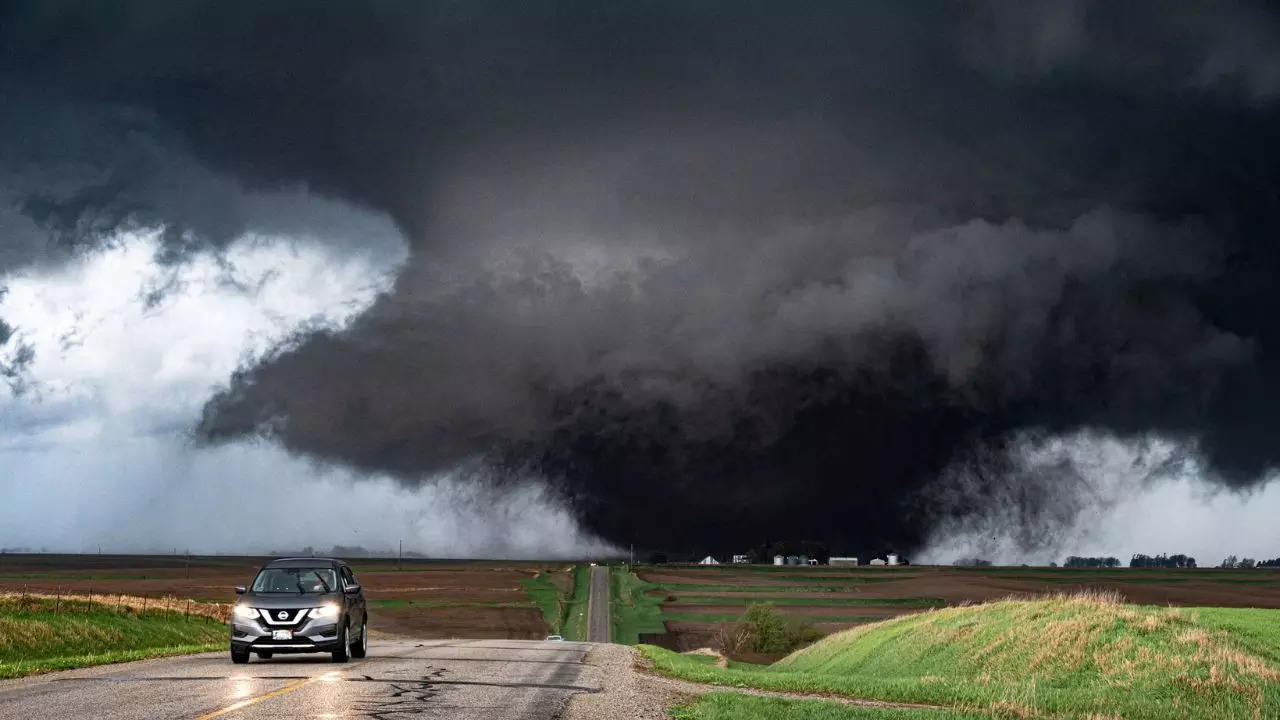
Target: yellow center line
[295,685]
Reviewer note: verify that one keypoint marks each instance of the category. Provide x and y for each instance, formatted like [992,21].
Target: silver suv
[300,605]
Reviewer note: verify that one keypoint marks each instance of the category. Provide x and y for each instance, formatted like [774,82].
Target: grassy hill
[39,635]
[1079,656]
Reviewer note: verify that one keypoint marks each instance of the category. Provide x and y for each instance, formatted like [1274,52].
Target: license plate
[281,634]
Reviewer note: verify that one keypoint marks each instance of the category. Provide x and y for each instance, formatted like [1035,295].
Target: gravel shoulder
[626,693]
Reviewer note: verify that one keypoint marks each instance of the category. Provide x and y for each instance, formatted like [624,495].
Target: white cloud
[1128,496]
[153,495]
[108,361]
[95,453]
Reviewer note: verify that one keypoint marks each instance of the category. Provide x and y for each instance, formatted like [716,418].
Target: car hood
[277,600]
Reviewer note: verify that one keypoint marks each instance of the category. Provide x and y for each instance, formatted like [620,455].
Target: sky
[96,451]
[549,277]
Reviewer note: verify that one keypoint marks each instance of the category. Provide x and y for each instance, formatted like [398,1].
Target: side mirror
[240,589]
[353,589]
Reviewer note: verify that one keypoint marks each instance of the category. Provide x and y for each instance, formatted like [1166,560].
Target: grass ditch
[561,599]
[737,706]
[1069,656]
[634,611]
[575,625]
[39,634]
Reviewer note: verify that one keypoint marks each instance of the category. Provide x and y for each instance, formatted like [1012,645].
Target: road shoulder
[625,694]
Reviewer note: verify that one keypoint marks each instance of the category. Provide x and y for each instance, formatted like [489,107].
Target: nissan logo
[282,614]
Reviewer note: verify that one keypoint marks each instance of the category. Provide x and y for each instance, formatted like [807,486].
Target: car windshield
[299,581]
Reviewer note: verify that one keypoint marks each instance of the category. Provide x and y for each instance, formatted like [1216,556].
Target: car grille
[292,617]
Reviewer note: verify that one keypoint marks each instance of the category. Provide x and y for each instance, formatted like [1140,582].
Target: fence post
[188,611]
[144,606]
[119,602]
[87,608]
[57,608]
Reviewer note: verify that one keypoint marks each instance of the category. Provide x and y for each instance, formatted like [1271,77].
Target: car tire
[239,657]
[264,655]
[344,638]
[360,645]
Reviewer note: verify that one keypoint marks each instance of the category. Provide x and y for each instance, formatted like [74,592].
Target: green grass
[915,602]
[35,639]
[633,611]
[549,598]
[565,612]
[1066,657]
[575,625]
[1256,631]
[736,706]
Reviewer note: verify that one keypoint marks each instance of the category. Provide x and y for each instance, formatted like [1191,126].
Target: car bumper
[313,636]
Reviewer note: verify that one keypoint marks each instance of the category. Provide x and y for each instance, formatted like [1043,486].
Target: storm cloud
[711,269]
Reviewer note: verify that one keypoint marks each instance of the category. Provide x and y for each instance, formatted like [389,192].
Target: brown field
[425,599]
[444,599]
[852,593]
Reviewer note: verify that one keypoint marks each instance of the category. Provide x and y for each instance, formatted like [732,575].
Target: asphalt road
[599,625]
[462,679]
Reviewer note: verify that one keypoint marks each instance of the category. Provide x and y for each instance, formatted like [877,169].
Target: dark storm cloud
[727,263]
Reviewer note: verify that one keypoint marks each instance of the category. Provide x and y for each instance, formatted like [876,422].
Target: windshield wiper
[322,582]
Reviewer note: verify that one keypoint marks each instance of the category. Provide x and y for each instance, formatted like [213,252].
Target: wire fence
[138,605]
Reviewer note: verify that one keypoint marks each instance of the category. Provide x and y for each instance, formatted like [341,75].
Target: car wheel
[239,657]
[344,638]
[264,655]
[360,647]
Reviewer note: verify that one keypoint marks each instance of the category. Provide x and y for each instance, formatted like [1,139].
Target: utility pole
[633,554]
[400,555]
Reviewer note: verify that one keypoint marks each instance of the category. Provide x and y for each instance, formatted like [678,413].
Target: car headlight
[244,612]
[328,611]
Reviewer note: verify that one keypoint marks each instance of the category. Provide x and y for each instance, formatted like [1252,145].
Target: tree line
[1162,561]
[1139,560]
[1249,563]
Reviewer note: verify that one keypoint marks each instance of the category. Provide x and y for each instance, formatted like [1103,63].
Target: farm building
[877,561]
[779,560]
[708,560]
[847,561]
